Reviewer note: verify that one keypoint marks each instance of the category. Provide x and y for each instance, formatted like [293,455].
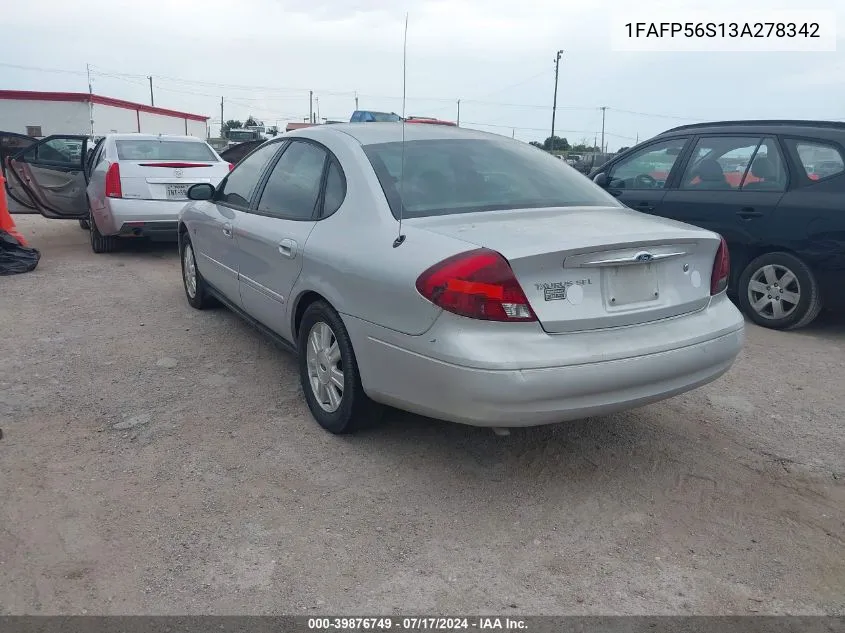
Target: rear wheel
[100,243]
[779,291]
[329,374]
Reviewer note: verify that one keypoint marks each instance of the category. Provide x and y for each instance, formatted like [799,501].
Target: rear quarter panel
[811,221]
[350,260]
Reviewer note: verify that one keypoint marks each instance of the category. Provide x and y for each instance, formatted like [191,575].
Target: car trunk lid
[167,180]
[585,268]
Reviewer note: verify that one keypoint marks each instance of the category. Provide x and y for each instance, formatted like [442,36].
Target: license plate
[631,284]
[177,192]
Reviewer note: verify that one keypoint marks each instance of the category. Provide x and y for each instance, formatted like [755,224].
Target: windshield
[243,135]
[449,176]
[163,150]
[384,117]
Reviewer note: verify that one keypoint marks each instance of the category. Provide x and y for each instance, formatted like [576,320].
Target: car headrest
[710,171]
[763,168]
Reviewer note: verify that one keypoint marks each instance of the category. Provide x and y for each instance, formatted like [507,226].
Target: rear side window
[294,184]
[819,160]
[733,162]
[335,189]
[163,150]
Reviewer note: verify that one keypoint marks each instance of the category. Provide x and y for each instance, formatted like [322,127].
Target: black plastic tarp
[15,258]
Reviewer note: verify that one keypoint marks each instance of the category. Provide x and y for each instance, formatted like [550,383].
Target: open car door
[11,144]
[51,173]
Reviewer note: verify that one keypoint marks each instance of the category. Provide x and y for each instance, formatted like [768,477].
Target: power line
[142,79]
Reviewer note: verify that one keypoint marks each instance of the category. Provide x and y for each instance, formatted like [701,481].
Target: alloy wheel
[325,367]
[774,292]
[189,271]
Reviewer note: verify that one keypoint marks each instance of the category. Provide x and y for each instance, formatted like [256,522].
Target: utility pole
[90,98]
[603,110]
[638,139]
[221,118]
[459,113]
[311,106]
[317,101]
[554,103]
[152,99]
[513,132]
[356,99]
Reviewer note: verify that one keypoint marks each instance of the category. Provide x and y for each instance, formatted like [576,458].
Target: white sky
[495,55]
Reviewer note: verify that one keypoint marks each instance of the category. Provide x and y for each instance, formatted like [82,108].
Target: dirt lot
[157,459]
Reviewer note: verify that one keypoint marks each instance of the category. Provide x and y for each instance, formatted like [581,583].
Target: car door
[731,184]
[213,231]
[640,179]
[51,173]
[12,143]
[272,236]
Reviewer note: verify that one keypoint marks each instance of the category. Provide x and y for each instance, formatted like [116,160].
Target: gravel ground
[160,460]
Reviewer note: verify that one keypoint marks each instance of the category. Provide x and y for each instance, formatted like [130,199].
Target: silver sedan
[459,275]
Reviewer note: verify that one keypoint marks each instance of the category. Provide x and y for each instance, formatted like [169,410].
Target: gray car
[459,275]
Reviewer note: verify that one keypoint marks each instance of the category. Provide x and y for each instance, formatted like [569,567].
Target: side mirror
[600,179]
[201,191]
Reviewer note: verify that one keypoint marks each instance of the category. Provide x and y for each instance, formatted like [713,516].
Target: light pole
[554,102]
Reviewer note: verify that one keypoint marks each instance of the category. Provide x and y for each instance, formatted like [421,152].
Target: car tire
[100,243]
[338,411]
[83,224]
[768,301]
[196,290]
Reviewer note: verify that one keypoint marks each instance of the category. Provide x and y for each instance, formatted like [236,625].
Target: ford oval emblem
[644,257]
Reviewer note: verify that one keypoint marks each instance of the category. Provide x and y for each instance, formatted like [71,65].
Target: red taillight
[113,188]
[231,166]
[478,284]
[721,269]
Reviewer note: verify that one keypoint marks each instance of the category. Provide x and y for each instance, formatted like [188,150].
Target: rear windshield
[449,176]
[163,150]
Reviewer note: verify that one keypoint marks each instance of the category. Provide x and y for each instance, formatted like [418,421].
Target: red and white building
[45,113]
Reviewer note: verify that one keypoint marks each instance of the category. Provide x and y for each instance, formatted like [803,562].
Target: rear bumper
[697,349]
[152,217]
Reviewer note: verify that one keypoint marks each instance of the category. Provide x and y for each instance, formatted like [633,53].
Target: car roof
[373,133]
[135,136]
[758,126]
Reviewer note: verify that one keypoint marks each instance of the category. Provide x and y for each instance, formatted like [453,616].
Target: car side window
[648,168]
[335,189]
[293,186]
[240,184]
[719,162]
[819,160]
[55,151]
[767,171]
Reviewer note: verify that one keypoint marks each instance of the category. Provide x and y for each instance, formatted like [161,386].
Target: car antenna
[401,238]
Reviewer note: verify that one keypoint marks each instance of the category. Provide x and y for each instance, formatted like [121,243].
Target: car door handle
[227,230]
[746,213]
[287,248]
[645,206]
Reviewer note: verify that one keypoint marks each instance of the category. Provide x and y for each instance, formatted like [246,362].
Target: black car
[775,190]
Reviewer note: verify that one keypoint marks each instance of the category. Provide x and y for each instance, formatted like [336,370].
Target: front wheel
[329,374]
[779,291]
[196,290]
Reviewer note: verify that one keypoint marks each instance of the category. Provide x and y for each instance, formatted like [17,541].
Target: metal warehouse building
[46,113]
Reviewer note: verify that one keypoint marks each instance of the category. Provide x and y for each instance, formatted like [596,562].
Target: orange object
[6,222]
